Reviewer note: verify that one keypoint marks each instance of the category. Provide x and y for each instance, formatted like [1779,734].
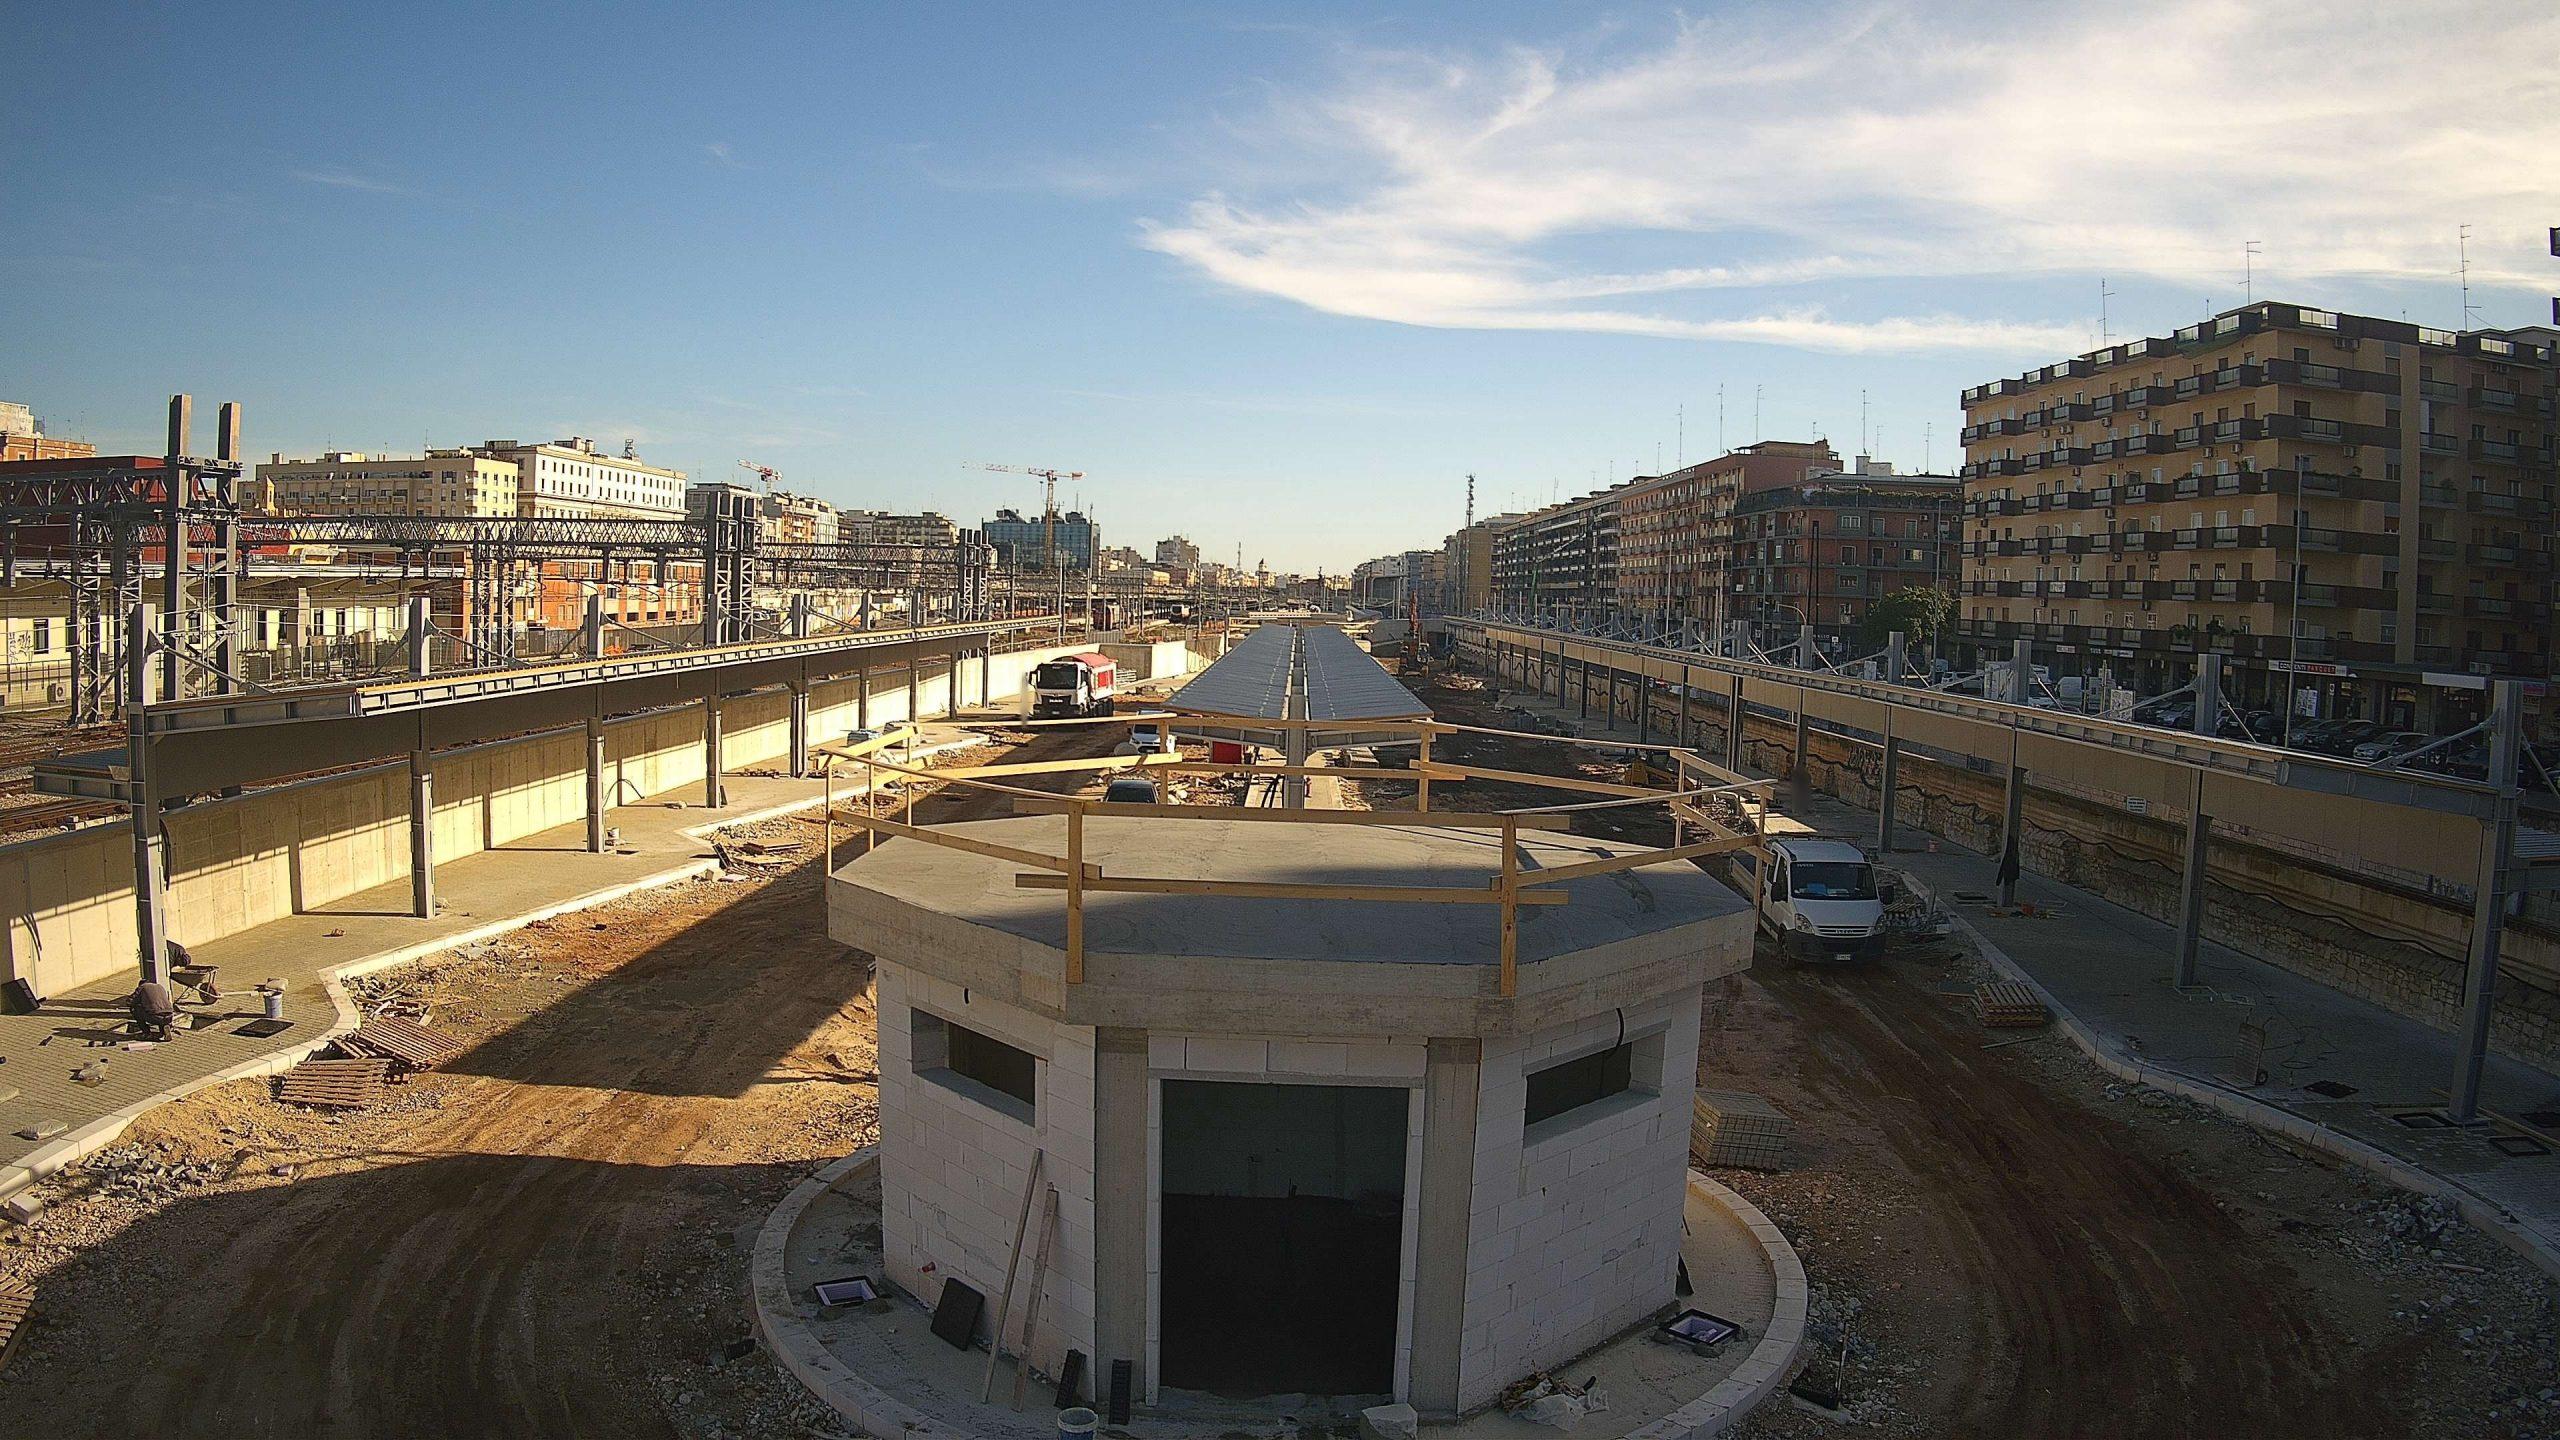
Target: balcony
[2435,444]
[2506,555]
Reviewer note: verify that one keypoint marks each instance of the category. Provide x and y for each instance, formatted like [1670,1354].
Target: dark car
[1129,790]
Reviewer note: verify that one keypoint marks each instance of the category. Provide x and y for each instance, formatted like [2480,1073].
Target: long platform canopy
[1266,675]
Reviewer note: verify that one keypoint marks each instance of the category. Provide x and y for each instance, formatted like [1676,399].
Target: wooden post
[827,804]
[1510,906]
[1013,1262]
[1075,896]
[1422,797]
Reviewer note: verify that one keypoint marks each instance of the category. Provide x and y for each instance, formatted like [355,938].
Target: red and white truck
[1072,685]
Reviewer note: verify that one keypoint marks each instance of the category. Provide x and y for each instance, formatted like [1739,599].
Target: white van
[1819,899]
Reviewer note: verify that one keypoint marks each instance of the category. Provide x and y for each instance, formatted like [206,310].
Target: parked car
[1129,790]
[2389,742]
[1143,740]
[2352,734]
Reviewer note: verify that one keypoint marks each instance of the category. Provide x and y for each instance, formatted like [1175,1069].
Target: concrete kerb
[796,1347]
[88,1139]
[2482,1213]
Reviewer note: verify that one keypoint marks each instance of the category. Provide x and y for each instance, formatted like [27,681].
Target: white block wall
[1397,1061]
[1575,1236]
[952,1168]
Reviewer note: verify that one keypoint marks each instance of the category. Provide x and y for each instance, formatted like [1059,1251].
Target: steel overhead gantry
[2463,834]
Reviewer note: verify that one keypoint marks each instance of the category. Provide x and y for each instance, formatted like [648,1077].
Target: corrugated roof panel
[1252,678]
[1344,682]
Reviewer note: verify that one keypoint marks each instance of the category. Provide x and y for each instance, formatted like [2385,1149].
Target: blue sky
[1273,283]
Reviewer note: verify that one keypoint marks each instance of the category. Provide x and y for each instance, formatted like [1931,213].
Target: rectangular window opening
[1000,1076]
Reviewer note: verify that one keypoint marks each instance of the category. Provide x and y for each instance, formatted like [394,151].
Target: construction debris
[407,1046]
[17,1302]
[334,1084]
[1732,1127]
[2007,1003]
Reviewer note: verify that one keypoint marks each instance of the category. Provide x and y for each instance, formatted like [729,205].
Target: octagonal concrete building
[1301,1145]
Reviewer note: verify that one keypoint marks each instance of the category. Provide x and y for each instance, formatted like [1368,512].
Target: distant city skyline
[1284,284]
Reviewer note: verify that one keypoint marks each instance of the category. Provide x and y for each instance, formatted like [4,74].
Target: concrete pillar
[2013,809]
[2208,694]
[143,814]
[1684,726]
[862,698]
[799,728]
[951,685]
[1121,1091]
[1802,722]
[711,789]
[987,672]
[591,628]
[1582,692]
[2191,884]
[2491,889]
[1644,708]
[1452,1070]
[422,836]
[915,682]
[1561,666]
[421,637]
[1808,654]
[1896,657]
[595,785]
[2022,673]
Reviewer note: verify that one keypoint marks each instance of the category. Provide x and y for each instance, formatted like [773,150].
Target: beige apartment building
[2361,504]
[572,478]
[344,482]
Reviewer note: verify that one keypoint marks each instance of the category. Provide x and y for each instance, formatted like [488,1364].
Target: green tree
[1923,615]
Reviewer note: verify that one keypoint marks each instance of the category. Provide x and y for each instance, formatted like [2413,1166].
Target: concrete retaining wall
[66,901]
[2372,936]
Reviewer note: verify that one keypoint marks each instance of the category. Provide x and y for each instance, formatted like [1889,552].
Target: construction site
[957,1017]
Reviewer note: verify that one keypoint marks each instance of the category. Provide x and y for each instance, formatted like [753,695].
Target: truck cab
[1819,898]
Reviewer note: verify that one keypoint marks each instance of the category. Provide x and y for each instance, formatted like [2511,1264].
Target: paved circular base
[783,1322]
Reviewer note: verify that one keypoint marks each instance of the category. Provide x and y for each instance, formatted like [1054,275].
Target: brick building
[2364,504]
[1677,531]
[1823,551]
[22,437]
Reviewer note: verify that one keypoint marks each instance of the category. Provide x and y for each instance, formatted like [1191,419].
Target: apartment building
[1822,552]
[924,529]
[347,482]
[1677,531]
[1024,543]
[571,478]
[2361,504]
[1565,556]
[22,437]
[1467,560]
[789,519]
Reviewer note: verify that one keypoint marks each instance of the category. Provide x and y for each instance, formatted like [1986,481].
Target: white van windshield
[1833,880]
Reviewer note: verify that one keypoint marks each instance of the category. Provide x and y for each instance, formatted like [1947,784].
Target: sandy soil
[547,1237]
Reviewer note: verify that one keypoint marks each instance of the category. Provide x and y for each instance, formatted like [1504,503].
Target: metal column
[150,835]
[2191,883]
[1896,657]
[422,836]
[595,784]
[173,570]
[2491,890]
[2022,673]
[2208,694]
[1733,726]
[951,685]
[421,638]
[862,696]
[1888,786]
[711,795]
[799,728]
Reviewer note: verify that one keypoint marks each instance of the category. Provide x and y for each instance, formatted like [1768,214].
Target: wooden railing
[1716,811]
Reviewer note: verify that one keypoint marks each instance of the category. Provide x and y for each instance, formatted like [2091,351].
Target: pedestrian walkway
[47,1083]
[2260,1042]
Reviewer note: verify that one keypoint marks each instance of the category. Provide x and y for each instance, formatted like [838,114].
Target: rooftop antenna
[2106,337]
[2249,272]
[2462,244]
[1680,437]
[1924,449]
[1755,414]
[1720,417]
[1862,424]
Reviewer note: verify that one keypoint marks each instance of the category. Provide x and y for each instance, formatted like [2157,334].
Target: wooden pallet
[17,1302]
[407,1045]
[2006,1003]
[334,1084]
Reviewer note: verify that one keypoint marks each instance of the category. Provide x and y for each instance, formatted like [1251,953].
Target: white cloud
[718,152]
[343,179]
[1904,143]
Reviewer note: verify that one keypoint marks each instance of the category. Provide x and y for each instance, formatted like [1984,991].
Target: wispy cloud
[343,179]
[1783,151]
[718,152]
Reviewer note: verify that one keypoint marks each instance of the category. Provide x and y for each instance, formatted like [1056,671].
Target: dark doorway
[1282,1230]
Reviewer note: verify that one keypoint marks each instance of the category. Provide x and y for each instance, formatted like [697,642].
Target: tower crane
[765,474]
[1048,502]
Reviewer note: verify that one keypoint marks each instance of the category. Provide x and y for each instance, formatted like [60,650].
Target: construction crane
[765,474]
[1048,502]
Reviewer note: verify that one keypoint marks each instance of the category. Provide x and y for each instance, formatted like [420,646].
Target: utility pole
[2249,273]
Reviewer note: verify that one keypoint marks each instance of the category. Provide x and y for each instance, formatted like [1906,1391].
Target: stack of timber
[406,1045]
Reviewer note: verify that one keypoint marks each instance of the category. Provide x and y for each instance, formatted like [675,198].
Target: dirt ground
[2006,1243]
[548,1236]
